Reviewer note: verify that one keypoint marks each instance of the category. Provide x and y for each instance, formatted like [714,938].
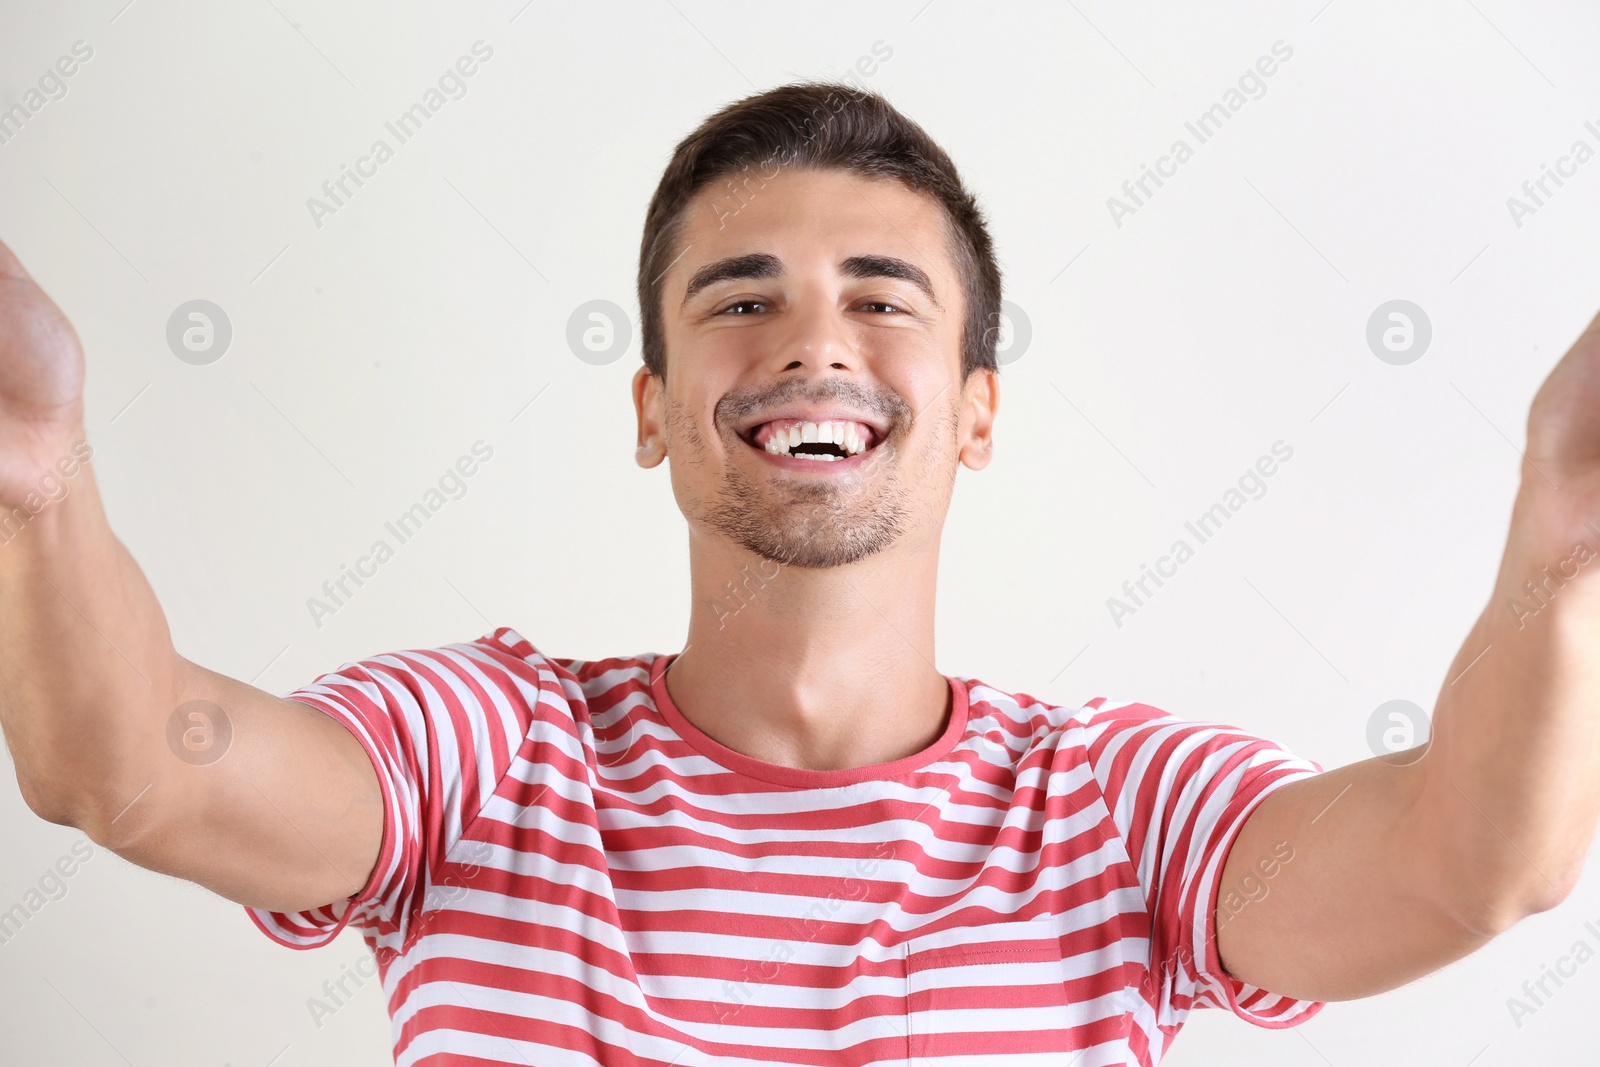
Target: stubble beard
[799,523]
[815,524]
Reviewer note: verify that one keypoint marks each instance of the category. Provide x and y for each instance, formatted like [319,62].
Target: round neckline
[802,777]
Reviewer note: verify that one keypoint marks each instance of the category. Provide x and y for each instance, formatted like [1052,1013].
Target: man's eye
[734,307]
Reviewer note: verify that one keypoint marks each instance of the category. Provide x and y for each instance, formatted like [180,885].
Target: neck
[818,668]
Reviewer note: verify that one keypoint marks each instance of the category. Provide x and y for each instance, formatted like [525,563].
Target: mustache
[738,406]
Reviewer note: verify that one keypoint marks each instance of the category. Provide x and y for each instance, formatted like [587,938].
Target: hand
[41,384]
[1564,421]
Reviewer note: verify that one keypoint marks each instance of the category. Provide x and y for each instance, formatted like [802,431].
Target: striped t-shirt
[573,874]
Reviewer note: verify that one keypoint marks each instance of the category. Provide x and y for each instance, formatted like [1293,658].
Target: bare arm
[1415,866]
[265,801]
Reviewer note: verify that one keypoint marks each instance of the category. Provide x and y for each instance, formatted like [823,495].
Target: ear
[980,398]
[648,405]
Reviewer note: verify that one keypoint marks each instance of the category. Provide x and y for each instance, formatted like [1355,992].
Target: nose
[814,336]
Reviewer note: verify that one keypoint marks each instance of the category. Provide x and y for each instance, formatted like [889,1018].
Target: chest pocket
[984,993]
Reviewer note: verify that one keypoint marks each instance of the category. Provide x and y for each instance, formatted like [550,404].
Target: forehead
[796,214]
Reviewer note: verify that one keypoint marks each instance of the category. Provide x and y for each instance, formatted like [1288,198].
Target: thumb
[10,265]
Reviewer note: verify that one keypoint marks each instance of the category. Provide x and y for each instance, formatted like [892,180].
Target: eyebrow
[766,265]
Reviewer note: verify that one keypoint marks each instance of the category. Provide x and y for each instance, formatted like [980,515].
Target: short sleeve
[441,728]
[1180,793]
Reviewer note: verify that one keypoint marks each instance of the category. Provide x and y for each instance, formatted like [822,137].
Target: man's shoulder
[500,660]
[1022,714]
[1092,722]
[506,639]
[1019,705]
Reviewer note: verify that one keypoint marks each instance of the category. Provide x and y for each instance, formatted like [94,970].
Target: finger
[10,265]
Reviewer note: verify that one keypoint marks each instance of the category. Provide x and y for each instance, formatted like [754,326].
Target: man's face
[825,298]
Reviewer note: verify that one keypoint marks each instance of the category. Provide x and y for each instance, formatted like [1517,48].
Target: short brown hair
[819,125]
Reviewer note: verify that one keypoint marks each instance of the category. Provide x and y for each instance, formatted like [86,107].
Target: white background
[369,353]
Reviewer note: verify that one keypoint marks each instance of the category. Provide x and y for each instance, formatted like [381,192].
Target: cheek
[696,481]
[696,458]
[925,465]
[942,425]
[683,432]
[910,361]
[928,387]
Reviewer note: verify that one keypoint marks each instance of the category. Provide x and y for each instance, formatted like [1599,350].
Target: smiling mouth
[825,442]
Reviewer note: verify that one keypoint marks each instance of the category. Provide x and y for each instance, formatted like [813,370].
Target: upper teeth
[847,435]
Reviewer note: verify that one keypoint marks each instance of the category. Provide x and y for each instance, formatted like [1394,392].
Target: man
[796,840]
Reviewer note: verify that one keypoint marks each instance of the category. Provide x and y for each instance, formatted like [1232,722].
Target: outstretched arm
[1399,870]
[111,730]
